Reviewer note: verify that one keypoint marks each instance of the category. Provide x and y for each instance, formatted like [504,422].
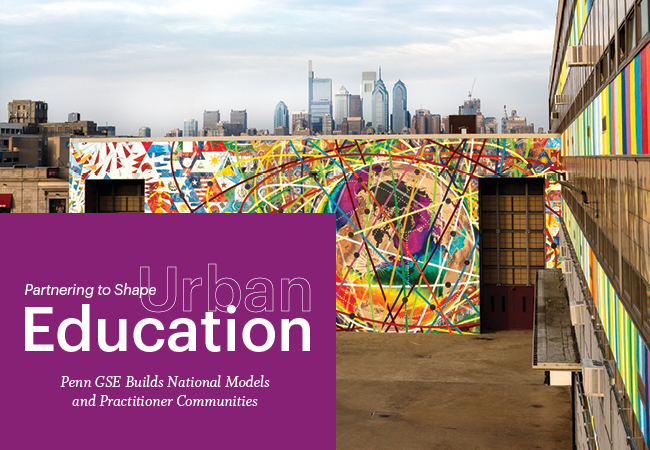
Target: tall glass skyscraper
[320,99]
[400,115]
[190,127]
[368,80]
[321,102]
[281,116]
[310,80]
[380,107]
[341,106]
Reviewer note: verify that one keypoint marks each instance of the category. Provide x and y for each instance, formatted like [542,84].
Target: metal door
[512,228]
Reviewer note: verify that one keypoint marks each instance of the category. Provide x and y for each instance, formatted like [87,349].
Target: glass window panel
[643,10]
[631,32]
[647,297]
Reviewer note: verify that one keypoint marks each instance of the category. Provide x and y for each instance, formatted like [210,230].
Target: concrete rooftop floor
[449,391]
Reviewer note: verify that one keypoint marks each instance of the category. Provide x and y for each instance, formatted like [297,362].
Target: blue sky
[155,63]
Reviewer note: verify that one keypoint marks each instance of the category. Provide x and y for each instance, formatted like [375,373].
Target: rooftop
[448,391]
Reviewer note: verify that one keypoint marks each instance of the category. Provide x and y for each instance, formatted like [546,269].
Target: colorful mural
[406,209]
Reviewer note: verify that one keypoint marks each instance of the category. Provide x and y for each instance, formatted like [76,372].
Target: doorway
[512,250]
[114,196]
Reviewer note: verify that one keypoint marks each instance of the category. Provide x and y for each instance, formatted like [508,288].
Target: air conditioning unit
[593,376]
[577,311]
[564,252]
[580,56]
[555,116]
[561,99]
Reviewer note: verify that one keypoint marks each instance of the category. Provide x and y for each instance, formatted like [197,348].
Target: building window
[57,205]
[621,44]
[115,196]
[631,32]
[643,17]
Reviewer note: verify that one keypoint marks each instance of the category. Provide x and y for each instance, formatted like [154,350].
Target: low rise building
[80,128]
[33,190]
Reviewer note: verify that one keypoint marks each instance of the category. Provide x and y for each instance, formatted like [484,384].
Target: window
[646,290]
[57,205]
[621,11]
[621,44]
[631,32]
[643,17]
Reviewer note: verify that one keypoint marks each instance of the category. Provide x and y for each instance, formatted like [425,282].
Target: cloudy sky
[155,63]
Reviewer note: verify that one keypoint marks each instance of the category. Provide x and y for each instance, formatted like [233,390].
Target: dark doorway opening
[114,196]
[512,249]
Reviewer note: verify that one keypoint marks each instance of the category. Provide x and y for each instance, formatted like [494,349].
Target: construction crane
[470,92]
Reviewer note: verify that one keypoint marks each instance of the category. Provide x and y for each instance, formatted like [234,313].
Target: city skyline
[436,51]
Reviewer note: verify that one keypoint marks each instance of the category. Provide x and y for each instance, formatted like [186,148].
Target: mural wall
[407,209]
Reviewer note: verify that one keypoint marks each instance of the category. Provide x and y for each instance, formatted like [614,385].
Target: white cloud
[31,12]
[170,60]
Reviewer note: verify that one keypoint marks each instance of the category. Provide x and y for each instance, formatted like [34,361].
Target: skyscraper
[190,127]
[210,119]
[310,83]
[491,125]
[471,106]
[436,124]
[380,107]
[281,116]
[355,106]
[424,123]
[341,106]
[320,100]
[516,124]
[300,122]
[368,80]
[144,132]
[327,124]
[239,116]
[400,119]
[108,130]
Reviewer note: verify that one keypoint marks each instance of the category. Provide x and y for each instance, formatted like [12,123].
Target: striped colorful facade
[626,343]
[616,122]
[577,27]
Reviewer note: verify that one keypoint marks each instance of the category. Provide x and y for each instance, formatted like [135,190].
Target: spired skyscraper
[281,116]
[380,107]
[368,80]
[341,106]
[320,100]
[400,119]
